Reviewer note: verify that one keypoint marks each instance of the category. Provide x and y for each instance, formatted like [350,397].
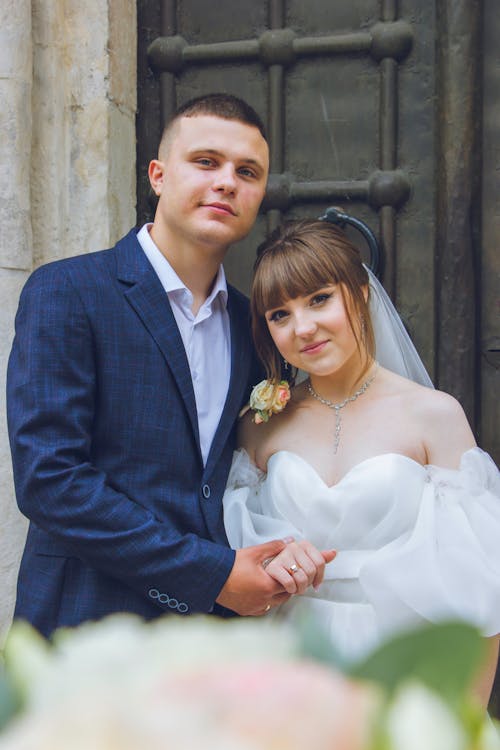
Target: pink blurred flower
[277,706]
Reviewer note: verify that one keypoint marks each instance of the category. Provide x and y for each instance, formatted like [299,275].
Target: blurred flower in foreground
[188,684]
[244,684]
[420,719]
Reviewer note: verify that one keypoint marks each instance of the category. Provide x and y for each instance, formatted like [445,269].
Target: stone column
[67,167]
[84,101]
[15,250]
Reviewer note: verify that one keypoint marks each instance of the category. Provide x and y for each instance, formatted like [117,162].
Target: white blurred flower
[490,736]
[418,718]
[122,652]
[197,684]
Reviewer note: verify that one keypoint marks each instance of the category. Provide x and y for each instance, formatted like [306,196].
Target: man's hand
[266,575]
[298,566]
[249,590]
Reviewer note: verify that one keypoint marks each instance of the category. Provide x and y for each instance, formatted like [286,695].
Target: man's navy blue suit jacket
[105,445]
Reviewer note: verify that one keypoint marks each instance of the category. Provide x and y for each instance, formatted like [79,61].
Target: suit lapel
[146,295]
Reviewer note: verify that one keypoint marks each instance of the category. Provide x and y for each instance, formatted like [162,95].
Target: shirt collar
[168,277]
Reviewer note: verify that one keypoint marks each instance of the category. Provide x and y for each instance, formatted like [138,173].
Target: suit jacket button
[206,491]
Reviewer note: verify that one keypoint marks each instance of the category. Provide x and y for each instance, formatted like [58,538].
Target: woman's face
[313,332]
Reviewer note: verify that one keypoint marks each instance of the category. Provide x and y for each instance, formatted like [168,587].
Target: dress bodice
[413,542]
[362,508]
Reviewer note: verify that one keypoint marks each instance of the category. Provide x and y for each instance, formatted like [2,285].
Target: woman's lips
[314,348]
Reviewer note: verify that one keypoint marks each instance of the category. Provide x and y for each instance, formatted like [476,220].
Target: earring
[363,328]
[285,364]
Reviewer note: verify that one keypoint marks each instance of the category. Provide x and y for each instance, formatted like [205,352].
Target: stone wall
[67,168]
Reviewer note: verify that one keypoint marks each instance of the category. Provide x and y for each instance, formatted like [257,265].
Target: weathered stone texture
[123,60]
[15,39]
[122,174]
[84,166]
[15,127]
[15,147]
[15,253]
[67,166]
[13,525]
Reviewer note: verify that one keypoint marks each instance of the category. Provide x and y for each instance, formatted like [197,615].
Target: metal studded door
[373,106]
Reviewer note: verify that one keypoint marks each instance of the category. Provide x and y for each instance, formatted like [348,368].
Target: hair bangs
[291,271]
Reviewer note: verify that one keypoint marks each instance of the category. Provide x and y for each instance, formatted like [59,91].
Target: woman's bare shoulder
[434,415]
[437,405]
[421,397]
[444,425]
[431,403]
[254,437]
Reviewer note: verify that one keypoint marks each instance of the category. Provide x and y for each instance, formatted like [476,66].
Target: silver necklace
[341,404]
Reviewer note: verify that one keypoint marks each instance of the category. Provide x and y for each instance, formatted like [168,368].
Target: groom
[127,372]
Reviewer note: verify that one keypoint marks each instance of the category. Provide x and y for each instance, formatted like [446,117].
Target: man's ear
[156,174]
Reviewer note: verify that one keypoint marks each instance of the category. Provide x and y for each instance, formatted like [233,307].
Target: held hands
[298,566]
[249,590]
[263,576]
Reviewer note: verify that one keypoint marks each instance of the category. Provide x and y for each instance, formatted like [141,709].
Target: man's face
[210,182]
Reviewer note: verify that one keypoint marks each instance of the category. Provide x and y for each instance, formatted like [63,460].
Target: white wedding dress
[414,543]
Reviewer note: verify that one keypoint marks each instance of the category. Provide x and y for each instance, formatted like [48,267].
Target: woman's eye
[320,299]
[277,316]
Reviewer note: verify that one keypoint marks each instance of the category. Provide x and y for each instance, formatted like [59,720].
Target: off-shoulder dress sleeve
[447,566]
[245,520]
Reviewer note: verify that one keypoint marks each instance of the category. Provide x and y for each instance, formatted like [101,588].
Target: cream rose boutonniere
[269,398]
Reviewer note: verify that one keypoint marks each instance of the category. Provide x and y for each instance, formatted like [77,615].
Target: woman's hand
[299,566]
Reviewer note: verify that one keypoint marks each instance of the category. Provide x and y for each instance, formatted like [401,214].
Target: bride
[363,457]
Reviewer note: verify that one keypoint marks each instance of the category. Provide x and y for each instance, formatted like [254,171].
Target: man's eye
[205,162]
[246,172]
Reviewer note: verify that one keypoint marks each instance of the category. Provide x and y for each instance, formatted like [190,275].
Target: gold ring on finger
[293,568]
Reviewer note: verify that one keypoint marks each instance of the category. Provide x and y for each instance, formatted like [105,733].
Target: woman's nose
[305,325]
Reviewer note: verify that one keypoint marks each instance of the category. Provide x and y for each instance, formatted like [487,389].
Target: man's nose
[225,178]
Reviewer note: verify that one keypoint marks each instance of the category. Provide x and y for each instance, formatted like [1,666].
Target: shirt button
[206,491]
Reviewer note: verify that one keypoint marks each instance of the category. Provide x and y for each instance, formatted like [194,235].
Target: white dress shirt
[206,338]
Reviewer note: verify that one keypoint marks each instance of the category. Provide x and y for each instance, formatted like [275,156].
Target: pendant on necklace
[340,405]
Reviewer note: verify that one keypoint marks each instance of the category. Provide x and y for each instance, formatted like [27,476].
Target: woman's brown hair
[298,258]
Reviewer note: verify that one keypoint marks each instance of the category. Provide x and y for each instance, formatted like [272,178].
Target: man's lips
[314,348]
[223,208]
